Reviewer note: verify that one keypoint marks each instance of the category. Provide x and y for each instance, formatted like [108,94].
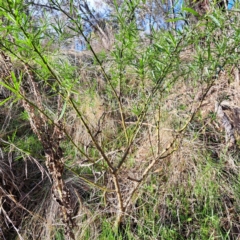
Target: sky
[97,4]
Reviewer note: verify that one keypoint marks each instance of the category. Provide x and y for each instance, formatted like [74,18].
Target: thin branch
[170,146]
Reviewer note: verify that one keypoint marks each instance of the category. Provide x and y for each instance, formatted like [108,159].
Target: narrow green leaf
[5,100]
[13,90]
[214,20]
[190,10]
[63,111]
[159,47]
[15,81]
[71,6]
[174,19]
